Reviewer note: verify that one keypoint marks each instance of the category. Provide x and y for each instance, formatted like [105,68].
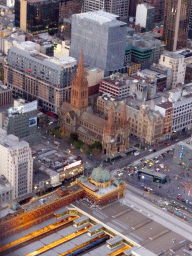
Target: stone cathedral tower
[116,134]
[79,90]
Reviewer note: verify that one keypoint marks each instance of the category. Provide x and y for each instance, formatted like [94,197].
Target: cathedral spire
[79,90]
[123,117]
[110,125]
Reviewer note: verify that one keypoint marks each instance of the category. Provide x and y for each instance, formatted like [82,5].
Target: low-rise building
[117,85]
[144,49]
[166,110]
[132,67]
[5,95]
[6,190]
[164,71]
[159,79]
[177,63]
[94,76]
[21,120]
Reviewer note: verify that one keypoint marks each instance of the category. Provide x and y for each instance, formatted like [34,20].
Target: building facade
[5,95]
[21,120]
[143,49]
[33,75]
[176,23]
[166,110]
[102,37]
[144,123]
[164,71]
[159,6]
[145,15]
[76,117]
[37,16]
[182,114]
[16,163]
[69,7]
[176,63]
[118,7]
[116,85]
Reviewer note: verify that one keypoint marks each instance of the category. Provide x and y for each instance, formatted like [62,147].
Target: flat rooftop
[114,240]
[81,219]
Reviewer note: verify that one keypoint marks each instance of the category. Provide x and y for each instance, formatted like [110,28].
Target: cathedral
[78,117]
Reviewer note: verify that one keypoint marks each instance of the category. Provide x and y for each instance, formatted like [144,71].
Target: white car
[50,123]
[150,150]
[136,153]
[119,174]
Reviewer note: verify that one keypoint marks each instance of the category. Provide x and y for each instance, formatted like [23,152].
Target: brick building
[5,95]
[68,8]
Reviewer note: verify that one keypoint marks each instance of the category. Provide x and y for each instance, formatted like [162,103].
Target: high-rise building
[145,16]
[37,15]
[176,22]
[132,7]
[190,23]
[16,163]
[35,76]
[159,8]
[102,37]
[68,8]
[118,7]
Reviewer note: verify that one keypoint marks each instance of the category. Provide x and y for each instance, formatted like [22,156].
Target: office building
[190,23]
[118,7]
[145,15]
[176,62]
[166,110]
[21,120]
[144,49]
[37,16]
[6,190]
[176,22]
[117,85]
[69,7]
[167,71]
[5,95]
[182,113]
[35,76]
[159,79]
[159,6]
[16,163]
[102,37]
[132,7]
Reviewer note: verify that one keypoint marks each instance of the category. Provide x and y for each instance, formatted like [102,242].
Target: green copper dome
[100,175]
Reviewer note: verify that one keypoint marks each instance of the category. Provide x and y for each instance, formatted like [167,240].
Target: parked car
[150,150]
[136,153]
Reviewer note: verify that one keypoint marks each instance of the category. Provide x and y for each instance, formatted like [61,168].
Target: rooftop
[165,105]
[173,55]
[100,17]
[11,141]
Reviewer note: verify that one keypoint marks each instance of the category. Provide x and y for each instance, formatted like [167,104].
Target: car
[50,123]
[166,144]
[154,150]
[119,174]
[157,170]
[190,203]
[150,150]
[136,153]
[157,161]
[188,142]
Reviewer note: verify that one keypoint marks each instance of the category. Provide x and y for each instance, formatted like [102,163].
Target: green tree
[74,136]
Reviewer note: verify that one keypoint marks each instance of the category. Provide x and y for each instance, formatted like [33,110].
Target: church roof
[93,119]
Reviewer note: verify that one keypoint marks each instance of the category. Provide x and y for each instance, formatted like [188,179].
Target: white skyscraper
[16,163]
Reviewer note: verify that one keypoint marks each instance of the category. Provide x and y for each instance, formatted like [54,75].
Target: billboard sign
[33,121]
[29,106]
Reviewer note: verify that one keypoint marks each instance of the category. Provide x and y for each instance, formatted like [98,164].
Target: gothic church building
[78,117]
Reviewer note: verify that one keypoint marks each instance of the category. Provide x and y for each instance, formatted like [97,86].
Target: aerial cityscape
[96,127]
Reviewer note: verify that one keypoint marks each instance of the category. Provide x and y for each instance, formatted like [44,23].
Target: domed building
[100,188]
[100,177]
